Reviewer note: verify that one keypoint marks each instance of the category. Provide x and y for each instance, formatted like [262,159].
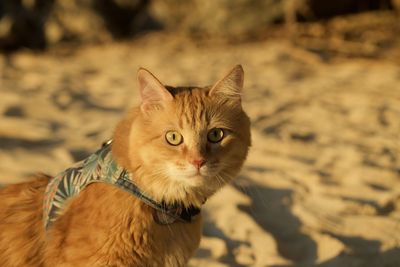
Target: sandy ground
[321,184]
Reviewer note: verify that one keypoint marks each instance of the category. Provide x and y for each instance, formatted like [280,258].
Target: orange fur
[105,226]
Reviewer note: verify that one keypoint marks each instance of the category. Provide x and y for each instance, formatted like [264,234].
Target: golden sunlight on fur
[181,145]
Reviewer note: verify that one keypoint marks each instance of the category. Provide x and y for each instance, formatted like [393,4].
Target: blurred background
[322,89]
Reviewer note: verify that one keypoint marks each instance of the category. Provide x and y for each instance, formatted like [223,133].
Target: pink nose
[198,162]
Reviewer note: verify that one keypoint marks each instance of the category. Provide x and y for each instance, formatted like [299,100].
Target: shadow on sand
[271,209]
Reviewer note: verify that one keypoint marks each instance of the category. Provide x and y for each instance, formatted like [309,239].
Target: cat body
[181,145]
[102,227]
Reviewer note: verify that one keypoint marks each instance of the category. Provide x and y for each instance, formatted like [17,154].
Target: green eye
[173,138]
[215,135]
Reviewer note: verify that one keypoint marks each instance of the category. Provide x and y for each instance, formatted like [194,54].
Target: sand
[321,183]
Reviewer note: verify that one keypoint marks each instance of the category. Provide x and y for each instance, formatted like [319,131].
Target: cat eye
[173,138]
[215,135]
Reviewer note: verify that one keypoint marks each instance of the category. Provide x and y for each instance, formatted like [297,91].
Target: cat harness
[101,167]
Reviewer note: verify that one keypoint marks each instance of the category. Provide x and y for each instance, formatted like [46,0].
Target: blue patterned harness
[101,167]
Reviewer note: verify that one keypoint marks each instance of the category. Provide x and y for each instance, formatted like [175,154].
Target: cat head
[185,143]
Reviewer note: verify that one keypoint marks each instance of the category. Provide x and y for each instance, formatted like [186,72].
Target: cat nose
[198,162]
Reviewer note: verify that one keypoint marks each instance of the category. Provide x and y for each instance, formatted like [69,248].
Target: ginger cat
[177,148]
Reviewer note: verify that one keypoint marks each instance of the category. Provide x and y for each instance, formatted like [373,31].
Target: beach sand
[321,183]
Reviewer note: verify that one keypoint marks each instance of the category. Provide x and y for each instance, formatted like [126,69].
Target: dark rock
[124,17]
[324,9]
[22,23]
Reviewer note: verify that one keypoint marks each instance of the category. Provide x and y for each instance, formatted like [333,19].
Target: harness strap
[174,211]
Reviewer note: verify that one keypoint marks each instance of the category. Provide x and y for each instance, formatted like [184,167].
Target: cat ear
[230,86]
[152,92]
